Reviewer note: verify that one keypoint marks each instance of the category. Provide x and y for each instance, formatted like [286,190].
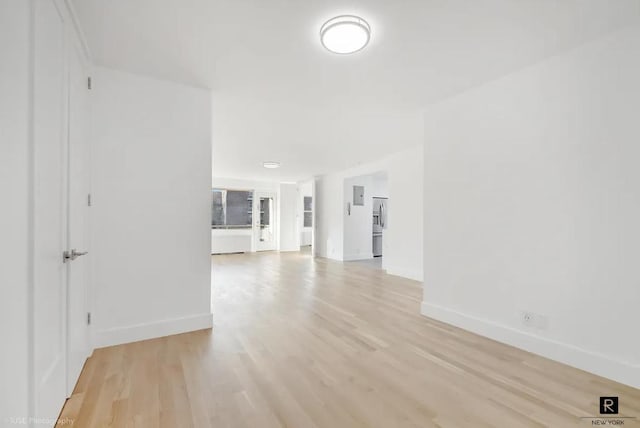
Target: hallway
[300,342]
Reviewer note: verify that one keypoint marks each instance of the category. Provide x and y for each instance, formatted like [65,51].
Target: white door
[49,211]
[265,230]
[78,219]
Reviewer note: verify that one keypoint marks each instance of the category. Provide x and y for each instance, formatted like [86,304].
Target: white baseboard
[359,256]
[602,365]
[416,275]
[289,249]
[152,330]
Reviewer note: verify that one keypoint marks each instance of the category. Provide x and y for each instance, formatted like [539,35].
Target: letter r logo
[608,405]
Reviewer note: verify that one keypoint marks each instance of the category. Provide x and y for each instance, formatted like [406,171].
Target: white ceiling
[278,95]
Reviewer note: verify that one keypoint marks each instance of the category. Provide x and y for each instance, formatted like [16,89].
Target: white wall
[380,185]
[151,209]
[532,196]
[403,238]
[228,241]
[239,184]
[329,218]
[402,241]
[358,223]
[15,155]
[237,240]
[289,238]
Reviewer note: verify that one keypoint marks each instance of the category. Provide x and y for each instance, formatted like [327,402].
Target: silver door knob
[72,255]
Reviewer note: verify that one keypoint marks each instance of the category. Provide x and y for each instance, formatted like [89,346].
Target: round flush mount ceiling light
[345,34]
[271,165]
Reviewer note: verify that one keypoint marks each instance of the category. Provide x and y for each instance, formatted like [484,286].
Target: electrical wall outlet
[533,320]
[528,318]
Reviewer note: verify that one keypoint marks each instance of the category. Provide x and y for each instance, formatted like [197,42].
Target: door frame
[76,53]
[72,39]
[256,219]
[48,383]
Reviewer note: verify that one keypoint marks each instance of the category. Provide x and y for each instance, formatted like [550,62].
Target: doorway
[60,342]
[306,215]
[365,217]
[78,318]
[265,230]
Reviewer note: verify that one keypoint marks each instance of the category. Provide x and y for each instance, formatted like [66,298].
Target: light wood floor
[299,342]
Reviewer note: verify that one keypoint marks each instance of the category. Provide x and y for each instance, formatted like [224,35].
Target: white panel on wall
[288,218]
[532,196]
[15,153]
[403,252]
[151,207]
[231,241]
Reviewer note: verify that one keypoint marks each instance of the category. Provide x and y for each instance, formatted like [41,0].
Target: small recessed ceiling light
[271,165]
[345,34]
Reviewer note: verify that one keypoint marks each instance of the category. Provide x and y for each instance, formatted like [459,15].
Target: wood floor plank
[307,342]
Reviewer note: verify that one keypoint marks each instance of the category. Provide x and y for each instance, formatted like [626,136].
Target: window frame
[305,211]
[226,226]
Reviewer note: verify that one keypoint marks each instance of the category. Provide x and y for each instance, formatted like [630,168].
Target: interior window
[231,209]
[308,213]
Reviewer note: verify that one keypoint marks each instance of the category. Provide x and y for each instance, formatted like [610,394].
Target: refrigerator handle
[382,215]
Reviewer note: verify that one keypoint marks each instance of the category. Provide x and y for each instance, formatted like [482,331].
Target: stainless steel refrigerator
[379,224]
